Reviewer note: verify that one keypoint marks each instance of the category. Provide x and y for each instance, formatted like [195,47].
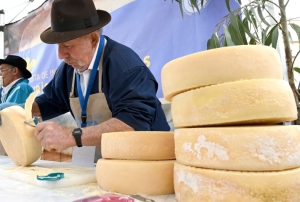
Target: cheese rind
[197,184]
[137,145]
[260,148]
[219,65]
[17,137]
[135,177]
[256,101]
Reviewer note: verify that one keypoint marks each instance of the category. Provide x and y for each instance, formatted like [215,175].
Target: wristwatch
[77,132]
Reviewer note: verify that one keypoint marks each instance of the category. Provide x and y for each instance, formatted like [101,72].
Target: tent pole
[2,34]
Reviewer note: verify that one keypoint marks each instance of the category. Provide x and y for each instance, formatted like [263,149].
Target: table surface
[15,191]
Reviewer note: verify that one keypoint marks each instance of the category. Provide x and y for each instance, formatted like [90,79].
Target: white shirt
[7,88]
[85,75]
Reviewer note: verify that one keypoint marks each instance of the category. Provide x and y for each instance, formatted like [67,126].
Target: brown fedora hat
[18,62]
[73,18]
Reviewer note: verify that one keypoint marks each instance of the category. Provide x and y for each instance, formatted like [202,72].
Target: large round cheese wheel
[135,177]
[136,145]
[257,101]
[260,148]
[219,66]
[17,137]
[196,184]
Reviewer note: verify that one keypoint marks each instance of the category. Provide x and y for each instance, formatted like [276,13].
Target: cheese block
[197,184]
[219,65]
[135,177]
[256,148]
[17,137]
[257,101]
[138,145]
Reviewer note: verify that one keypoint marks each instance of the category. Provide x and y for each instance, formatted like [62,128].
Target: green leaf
[252,41]
[208,45]
[228,5]
[235,25]
[242,32]
[270,36]
[227,37]
[297,69]
[253,18]
[297,30]
[234,36]
[261,16]
[214,42]
[275,37]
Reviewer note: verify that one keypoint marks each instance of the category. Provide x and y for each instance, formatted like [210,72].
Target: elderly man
[104,84]
[15,83]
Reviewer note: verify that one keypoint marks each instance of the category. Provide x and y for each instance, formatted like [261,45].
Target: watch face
[77,131]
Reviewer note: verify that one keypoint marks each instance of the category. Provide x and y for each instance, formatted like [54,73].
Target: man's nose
[62,52]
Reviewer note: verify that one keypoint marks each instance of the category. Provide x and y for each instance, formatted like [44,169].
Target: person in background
[14,78]
[14,83]
[104,84]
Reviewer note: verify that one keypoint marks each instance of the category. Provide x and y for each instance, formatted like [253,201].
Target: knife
[139,197]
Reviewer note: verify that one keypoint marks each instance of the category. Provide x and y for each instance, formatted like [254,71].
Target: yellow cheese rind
[219,65]
[135,177]
[17,137]
[197,184]
[137,145]
[257,101]
[260,148]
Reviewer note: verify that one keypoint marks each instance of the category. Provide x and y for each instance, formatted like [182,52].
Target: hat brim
[50,37]
[26,73]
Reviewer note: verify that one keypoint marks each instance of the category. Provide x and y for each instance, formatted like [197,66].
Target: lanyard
[84,100]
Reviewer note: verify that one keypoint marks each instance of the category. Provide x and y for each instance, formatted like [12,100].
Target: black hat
[71,19]
[18,62]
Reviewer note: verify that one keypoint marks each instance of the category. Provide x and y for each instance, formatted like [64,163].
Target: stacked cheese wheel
[137,163]
[225,105]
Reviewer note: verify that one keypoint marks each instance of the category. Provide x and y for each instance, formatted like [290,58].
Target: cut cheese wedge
[135,177]
[219,65]
[17,137]
[196,184]
[260,148]
[257,101]
[136,145]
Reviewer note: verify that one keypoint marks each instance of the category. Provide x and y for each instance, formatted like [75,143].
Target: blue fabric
[129,87]
[18,94]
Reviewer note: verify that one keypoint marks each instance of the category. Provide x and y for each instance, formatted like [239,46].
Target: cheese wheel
[17,137]
[257,101]
[197,184]
[135,177]
[219,65]
[260,148]
[136,145]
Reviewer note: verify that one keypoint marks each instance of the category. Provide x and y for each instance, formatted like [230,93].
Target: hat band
[81,24]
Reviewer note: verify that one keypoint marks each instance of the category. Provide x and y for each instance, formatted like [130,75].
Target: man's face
[77,52]
[7,74]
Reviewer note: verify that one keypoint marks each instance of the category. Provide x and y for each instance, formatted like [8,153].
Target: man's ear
[95,38]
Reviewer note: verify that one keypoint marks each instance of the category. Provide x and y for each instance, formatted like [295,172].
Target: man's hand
[54,136]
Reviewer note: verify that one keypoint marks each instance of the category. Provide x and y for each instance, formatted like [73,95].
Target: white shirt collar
[7,88]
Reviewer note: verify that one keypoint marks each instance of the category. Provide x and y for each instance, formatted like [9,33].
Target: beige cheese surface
[220,65]
[136,177]
[245,148]
[256,101]
[18,138]
[135,145]
[207,185]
